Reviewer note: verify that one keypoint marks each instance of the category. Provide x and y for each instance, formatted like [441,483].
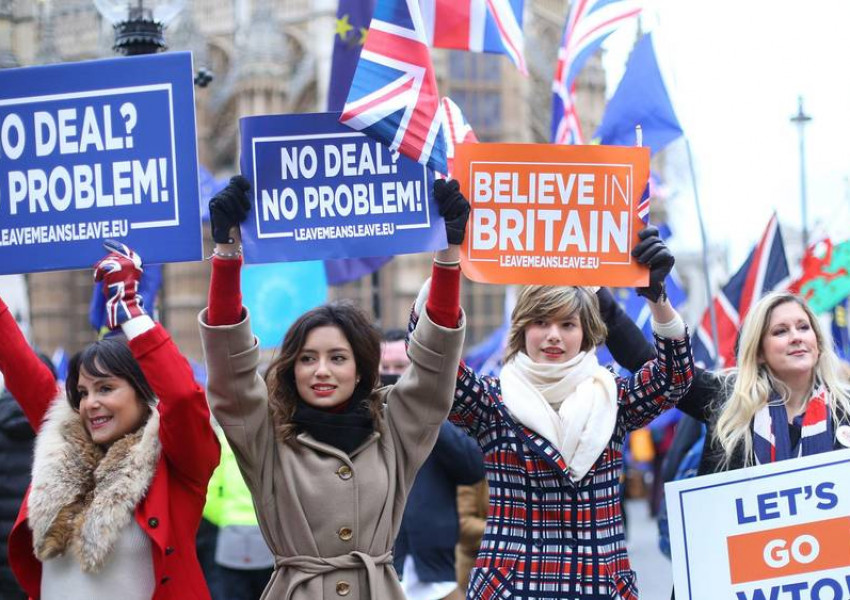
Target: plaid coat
[546,537]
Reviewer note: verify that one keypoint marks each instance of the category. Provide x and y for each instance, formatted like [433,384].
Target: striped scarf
[772,440]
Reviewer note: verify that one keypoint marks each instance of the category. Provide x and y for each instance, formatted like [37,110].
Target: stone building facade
[274,57]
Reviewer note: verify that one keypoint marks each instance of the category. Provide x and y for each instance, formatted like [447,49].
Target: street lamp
[801,119]
[138,28]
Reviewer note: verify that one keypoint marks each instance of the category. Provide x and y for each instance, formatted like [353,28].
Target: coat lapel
[81,497]
[305,439]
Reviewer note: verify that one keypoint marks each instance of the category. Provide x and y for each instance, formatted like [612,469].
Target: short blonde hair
[547,302]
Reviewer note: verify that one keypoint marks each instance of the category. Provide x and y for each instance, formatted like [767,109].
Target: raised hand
[453,207]
[120,272]
[654,253]
[229,208]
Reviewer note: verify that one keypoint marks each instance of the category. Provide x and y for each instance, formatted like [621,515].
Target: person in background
[242,561]
[17,440]
[425,546]
[472,503]
[424,549]
[394,359]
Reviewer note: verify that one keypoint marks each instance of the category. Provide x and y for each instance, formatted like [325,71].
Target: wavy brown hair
[365,340]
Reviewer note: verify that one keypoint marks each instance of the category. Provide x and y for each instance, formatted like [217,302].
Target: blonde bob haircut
[546,302]
[753,382]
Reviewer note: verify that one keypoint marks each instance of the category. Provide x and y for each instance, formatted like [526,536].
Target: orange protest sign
[552,215]
[790,550]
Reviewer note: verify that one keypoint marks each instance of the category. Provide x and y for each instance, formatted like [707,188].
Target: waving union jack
[393,97]
[588,24]
[457,129]
[765,269]
[476,26]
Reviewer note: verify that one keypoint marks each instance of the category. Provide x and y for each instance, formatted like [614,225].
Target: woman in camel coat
[328,477]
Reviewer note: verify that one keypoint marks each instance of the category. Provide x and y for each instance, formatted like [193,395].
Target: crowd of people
[375,468]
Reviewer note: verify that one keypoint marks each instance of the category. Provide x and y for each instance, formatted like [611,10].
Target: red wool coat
[171,510]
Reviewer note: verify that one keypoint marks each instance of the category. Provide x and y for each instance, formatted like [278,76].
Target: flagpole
[715,337]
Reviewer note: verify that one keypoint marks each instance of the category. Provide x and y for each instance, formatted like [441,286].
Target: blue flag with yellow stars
[352,23]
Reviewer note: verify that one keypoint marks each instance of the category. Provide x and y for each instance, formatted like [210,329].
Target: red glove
[120,272]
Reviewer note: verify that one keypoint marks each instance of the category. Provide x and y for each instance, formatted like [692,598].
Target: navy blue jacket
[429,528]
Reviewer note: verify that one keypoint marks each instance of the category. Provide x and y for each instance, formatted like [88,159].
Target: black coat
[16,447]
[429,528]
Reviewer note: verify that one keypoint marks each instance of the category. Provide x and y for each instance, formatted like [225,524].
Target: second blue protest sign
[95,150]
[323,191]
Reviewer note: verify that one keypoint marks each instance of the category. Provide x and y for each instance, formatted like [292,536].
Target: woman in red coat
[122,459]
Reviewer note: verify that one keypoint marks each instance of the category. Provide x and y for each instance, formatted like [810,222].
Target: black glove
[453,207]
[228,208]
[654,253]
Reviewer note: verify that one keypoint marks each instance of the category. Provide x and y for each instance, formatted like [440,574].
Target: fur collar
[82,497]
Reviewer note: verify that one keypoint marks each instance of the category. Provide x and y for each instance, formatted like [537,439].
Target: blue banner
[321,190]
[95,150]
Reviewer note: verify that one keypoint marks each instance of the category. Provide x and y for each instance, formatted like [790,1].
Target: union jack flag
[588,24]
[643,205]
[458,129]
[765,269]
[393,97]
[476,26]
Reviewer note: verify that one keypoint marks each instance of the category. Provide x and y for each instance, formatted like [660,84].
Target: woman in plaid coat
[552,429]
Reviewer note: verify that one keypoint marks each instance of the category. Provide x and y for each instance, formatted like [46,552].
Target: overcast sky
[734,69]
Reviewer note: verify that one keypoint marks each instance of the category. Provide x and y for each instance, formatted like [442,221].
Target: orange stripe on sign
[789,550]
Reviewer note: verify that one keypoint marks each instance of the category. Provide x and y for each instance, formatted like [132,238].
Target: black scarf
[345,430]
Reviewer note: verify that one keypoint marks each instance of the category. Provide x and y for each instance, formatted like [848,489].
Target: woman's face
[554,340]
[789,346]
[109,407]
[325,371]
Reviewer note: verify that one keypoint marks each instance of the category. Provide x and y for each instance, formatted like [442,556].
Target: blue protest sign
[321,190]
[95,150]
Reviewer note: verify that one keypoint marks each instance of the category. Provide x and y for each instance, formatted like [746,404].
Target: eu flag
[352,23]
[640,99]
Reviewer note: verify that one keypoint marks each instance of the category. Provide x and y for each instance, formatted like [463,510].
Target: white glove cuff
[673,329]
[137,326]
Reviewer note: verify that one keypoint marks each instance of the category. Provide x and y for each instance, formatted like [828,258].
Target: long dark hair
[107,358]
[365,340]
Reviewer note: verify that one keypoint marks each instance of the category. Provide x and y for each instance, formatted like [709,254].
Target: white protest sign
[772,532]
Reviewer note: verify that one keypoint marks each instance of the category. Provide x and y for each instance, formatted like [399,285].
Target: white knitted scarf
[572,404]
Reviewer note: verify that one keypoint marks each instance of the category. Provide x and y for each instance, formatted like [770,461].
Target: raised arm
[420,401]
[228,209]
[237,393]
[188,440]
[661,382]
[28,379]
[625,340]
[443,298]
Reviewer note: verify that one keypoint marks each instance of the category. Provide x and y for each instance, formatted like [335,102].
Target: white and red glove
[120,272]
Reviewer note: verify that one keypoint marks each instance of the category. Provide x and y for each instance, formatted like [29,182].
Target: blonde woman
[785,398]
